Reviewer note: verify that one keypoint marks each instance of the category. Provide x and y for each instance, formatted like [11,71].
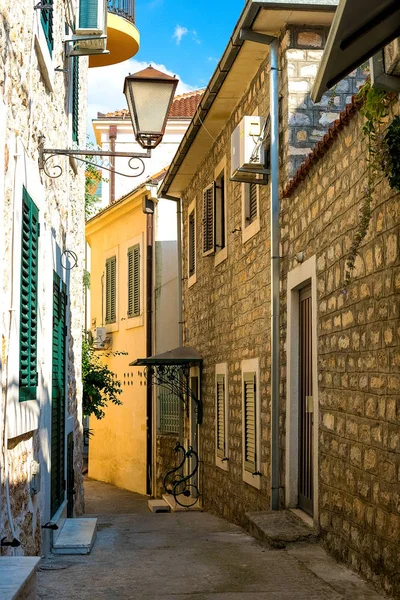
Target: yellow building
[117,240]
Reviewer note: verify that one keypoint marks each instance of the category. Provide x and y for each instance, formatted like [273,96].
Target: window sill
[111,327]
[221,256]
[192,280]
[251,230]
[253,480]
[133,322]
[224,465]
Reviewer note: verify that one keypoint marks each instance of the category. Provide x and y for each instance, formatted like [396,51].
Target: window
[134,281]
[208,220]
[251,423]
[46,18]
[111,289]
[221,416]
[220,225]
[168,410]
[192,244]
[28,378]
[250,210]
[75,99]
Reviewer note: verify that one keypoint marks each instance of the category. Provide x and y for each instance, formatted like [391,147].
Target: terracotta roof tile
[182,106]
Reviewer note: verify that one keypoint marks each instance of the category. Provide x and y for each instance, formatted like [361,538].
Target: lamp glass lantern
[149,95]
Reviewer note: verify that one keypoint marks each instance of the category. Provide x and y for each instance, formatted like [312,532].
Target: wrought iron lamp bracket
[45,154]
[176,379]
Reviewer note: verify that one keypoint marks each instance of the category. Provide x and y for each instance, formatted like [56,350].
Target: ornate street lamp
[149,95]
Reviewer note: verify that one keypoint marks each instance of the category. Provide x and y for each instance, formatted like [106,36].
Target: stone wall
[34,102]
[358,353]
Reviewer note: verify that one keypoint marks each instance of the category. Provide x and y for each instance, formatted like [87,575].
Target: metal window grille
[169,411]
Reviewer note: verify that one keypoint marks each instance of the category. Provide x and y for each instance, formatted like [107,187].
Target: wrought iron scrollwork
[184,491]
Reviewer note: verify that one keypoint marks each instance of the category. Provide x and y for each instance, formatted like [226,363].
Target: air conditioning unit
[99,338]
[90,35]
[247,148]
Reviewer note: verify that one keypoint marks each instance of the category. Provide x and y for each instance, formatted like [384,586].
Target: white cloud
[179,33]
[106,85]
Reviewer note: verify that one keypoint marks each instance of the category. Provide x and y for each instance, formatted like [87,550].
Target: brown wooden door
[305,403]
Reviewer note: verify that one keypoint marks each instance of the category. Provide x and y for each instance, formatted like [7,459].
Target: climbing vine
[381,158]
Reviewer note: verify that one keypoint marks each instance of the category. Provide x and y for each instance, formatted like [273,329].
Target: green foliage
[392,156]
[100,385]
[93,178]
[86,279]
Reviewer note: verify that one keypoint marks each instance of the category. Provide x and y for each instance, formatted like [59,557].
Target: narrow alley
[141,555]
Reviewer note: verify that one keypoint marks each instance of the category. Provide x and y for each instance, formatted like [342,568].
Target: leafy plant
[100,385]
[392,155]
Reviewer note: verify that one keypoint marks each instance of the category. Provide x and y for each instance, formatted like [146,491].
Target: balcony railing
[122,8]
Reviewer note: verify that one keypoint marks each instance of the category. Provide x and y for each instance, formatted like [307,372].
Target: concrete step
[76,537]
[18,577]
[278,528]
[176,507]
[158,505]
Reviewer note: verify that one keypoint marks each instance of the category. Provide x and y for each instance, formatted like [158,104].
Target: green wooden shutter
[58,393]
[252,210]
[208,220]
[46,18]
[88,14]
[29,292]
[134,281]
[192,245]
[220,401]
[249,421]
[75,99]
[111,289]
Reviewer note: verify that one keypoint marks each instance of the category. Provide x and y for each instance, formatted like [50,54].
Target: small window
[220,208]
[28,378]
[192,244]
[251,423]
[111,289]
[251,203]
[134,281]
[209,220]
[221,416]
[75,99]
[46,18]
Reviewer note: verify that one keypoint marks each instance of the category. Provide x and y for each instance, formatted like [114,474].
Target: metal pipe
[275,275]
[149,348]
[112,137]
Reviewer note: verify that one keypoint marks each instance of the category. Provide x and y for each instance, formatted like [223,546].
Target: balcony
[122,34]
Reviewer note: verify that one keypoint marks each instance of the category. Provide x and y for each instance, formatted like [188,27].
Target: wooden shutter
[58,393]
[220,405]
[192,245]
[75,99]
[134,281]
[29,293]
[249,421]
[46,17]
[208,220]
[111,289]
[88,14]
[252,211]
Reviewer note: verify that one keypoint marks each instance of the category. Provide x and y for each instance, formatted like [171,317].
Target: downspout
[275,273]
[149,348]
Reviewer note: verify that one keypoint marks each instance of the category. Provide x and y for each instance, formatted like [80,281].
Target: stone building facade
[42,93]
[338,348]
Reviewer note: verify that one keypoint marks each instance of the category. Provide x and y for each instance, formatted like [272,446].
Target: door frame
[305,273]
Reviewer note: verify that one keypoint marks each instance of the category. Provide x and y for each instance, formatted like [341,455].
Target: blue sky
[179,37]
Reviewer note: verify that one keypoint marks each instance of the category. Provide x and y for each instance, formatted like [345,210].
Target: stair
[175,507]
[158,505]
[278,528]
[77,536]
[18,577]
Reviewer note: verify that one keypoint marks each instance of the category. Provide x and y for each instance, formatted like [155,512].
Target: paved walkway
[187,556]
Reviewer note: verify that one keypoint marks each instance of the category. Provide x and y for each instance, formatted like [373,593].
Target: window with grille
[134,281]
[208,220]
[28,377]
[75,99]
[250,422]
[220,410]
[111,289]
[251,209]
[192,244]
[220,228]
[169,410]
[46,18]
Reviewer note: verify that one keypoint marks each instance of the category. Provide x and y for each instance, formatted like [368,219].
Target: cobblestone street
[138,554]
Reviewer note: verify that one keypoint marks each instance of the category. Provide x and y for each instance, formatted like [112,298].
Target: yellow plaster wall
[117,450]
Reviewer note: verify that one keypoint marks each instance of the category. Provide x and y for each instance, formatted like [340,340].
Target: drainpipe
[149,348]
[112,136]
[275,273]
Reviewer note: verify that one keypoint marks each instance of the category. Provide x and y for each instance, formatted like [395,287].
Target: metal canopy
[184,355]
[360,28]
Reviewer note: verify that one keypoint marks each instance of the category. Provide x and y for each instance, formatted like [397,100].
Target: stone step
[176,507]
[18,577]
[76,537]
[278,528]
[158,505]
